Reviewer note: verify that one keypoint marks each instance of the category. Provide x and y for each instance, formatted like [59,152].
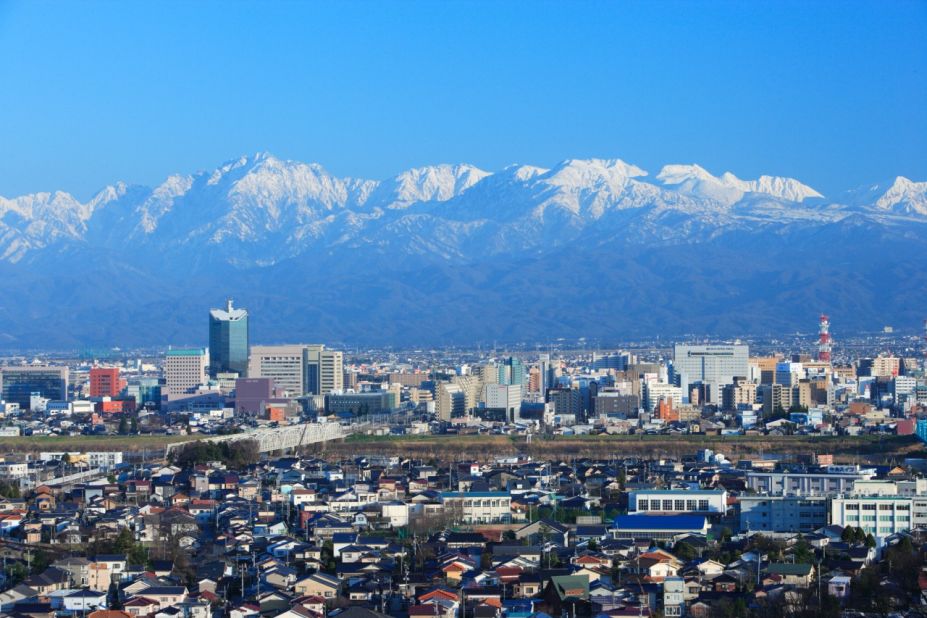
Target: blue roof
[660,522]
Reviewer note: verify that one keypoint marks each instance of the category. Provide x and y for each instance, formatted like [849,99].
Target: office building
[18,384]
[324,370]
[185,370]
[505,397]
[712,365]
[359,404]
[105,382]
[619,361]
[299,370]
[284,364]
[228,340]
[145,391]
[512,371]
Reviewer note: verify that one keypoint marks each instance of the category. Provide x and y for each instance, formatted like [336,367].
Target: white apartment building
[656,391]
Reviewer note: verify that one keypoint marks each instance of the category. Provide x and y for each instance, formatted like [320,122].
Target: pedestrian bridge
[284,438]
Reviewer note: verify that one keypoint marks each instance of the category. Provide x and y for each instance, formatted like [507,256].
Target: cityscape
[463,309]
[692,478]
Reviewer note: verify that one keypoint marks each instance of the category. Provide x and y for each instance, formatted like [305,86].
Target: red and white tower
[824,340]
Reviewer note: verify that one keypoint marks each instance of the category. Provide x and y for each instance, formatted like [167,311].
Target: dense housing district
[238,480]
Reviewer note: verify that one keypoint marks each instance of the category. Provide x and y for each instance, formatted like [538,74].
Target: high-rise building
[17,384]
[228,340]
[105,382]
[512,371]
[654,392]
[712,365]
[504,397]
[185,370]
[324,370]
[472,387]
[741,392]
[450,401]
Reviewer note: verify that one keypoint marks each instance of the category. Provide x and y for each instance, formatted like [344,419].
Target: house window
[680,505]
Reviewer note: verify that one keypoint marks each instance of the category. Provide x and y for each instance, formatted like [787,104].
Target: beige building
[185,370]
[284,363]
[299,369]
[450,401]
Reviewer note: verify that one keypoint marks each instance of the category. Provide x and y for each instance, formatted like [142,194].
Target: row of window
[855,506]
[672,505]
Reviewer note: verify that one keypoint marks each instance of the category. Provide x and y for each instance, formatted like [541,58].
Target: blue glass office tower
[228,340]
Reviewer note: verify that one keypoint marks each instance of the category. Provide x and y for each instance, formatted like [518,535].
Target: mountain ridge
[262,228]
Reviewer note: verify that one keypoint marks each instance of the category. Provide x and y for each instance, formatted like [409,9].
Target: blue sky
[832,93]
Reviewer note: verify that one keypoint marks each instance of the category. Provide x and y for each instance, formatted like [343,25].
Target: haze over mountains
[455,254]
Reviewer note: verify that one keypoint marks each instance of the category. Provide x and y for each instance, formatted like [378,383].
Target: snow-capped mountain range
[299,206]
[274,221]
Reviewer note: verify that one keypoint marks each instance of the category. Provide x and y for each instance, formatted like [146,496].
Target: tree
[9,489]
[133,424]
[684,551]
[123,425]
[870,541]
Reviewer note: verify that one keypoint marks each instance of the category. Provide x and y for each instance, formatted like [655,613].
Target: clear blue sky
[833,93]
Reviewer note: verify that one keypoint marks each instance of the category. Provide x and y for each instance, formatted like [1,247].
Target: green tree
[870,541]
[9,489]
[685,551]
[133,424]
[123,425]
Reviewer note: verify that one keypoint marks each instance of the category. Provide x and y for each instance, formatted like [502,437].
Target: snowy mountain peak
[434,183]
[904,196]
[728,188]
[675,174]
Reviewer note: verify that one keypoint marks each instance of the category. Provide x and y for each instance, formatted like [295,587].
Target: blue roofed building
[658,527]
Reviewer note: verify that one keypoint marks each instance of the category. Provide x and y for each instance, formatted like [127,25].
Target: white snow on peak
[523,172]
[904,196]
[435,183]
[729,189]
